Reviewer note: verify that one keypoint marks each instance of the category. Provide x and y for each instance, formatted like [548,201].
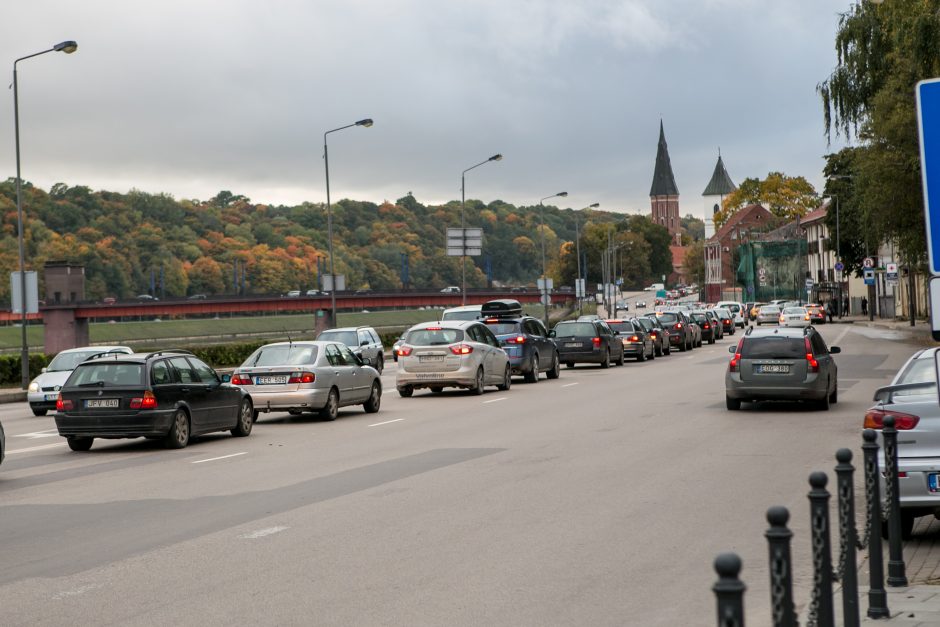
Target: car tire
[653,354]
[711,340]
[532,376]
[555,371]
[245,419]
[39,412]
[371,406]
[667,350]
[642,356]
[732,404]
[907,525]
[507,380]
[823,404]
[254,415]
[622,359]
[380,364]
[331,409]
[477,388]
[437,389]
[569,364]
[606,362]
[659,350]
[758,323]
[406,391]
[178,435]
[80,443]
[834,397]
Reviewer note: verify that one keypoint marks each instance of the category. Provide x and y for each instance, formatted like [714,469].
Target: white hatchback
[794,317]
[44,389]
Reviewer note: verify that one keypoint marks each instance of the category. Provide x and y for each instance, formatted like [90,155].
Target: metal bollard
[781,568]
[729,590]
[877,597]
[848,563]
[896,575]
[821,609]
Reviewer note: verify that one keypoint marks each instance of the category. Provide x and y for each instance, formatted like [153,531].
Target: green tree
[694,262]
[787,197]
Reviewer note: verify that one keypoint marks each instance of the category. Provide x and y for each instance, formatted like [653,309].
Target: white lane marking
[36,448]
[270,531]
[568,385]
[387,422]
[50,433]
[842,335]
[212,459]
[65,594]
[495,400]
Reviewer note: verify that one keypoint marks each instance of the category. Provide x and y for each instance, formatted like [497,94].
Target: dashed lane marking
[35,448]
[378,424]
[568,385]
[495,400]
[49,433]
[270,531]
[213,459]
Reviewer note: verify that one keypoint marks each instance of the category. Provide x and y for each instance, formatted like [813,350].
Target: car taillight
[634,338]
[875,418]
[147,401]
[302,377]
[241,379]
[733,364]
[404,350]
[811,362]
[461,349]
[707,326]
[596,341]
[63,404]
[653,333]
[678,325]
[519,339]
[806,317]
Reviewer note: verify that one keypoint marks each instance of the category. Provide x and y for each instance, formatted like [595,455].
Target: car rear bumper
[581,357]
[634,349]
[814,388]
[465,376]
[137,425]
[301,400]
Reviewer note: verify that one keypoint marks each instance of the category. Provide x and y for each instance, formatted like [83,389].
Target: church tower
[664,194]
[718,187]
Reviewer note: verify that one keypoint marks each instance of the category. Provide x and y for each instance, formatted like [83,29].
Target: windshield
[770,309]
[774,347]
[668,318]
[283,355]
[504,328]
[106,374]
[624,327]
[434,337]
[349,338]
[461,315]
[68,361]
[793,311]
[699,317]
[575,329]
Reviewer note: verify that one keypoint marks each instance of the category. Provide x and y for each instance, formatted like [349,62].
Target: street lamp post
[577,245]
[463,203]
[542,229]
[329,213]
[68,47]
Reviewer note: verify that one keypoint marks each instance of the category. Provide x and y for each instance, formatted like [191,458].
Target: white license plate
[932,484]
[427,358]
[270,380]
[92,403]
[573,345]
[51,397]
[774,369]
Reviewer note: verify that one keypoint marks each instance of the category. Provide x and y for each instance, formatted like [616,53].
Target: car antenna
[290,342]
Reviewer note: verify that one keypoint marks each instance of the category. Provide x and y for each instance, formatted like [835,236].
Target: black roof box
[502,308]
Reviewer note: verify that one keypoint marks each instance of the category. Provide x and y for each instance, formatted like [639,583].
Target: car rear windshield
[575,329]
[283,355]
[504,328]
[699,317]
[349,338]
[668,318]
[773,347]
[107,374]
[624,327]
[68,361]
[434,337]
[770,309]
[792,311]
[460,315]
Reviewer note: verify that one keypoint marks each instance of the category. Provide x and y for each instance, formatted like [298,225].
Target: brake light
[811,362]
[404,350]
[489,320]
[874,419]
[707,326]
[654,334]
[434,328]
[147,401]
[678,325]
[241,379]
[302,377]
[519,339]
[461,349]
[596,341]
[63,404]
[733,364]
[806,317]
[634,338]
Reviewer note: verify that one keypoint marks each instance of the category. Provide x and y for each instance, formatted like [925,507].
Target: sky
[192,97]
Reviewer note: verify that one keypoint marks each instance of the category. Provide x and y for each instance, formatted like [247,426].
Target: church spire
[720,184]
[664,182]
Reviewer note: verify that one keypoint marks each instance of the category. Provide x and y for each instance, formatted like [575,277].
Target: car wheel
[606,362]
[407,391]
[331,409]
[653,353]
[375,399]
[733,404]
[834,397]
[667,350]
[246,414]
[758,323]
[178,435]
[39,412]
[711,340]
[555,371]
[642,355]
[658,350]
[436,389]
[80,444]
[623,358]
[477,388]
[533,375]
[683,347]
[380,364]
[907,525]
[569,364]
[254,415]
[507,380]
[824,403]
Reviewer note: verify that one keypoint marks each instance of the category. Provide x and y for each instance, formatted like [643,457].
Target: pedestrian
[864,305]
[831,309]
[845,306]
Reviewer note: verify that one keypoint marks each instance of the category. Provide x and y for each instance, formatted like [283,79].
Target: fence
[881,514]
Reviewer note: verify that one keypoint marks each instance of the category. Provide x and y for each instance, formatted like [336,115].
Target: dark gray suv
[362,341]
[785,363]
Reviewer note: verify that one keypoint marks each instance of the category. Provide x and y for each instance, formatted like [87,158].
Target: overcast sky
[192,97]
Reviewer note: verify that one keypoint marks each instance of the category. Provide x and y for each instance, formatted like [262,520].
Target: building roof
[721,184]
[664,182]
[678,256]
[816,215]
[753,212]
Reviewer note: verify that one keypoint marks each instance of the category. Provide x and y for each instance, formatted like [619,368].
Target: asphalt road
[597,499]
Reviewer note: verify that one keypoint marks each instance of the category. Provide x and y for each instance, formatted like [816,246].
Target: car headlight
[33,387]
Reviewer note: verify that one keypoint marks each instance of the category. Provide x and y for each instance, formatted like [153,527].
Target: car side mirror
[226,378]
[834,349]
[364,343]
[732,349]
[358,359]
[43,370]
[551,333]
[616,332]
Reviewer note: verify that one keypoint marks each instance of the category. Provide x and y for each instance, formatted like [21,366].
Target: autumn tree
[787,197]
[694,262]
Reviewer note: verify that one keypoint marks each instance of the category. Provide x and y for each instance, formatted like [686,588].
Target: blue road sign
[928,122]
[840,266]
[869,277]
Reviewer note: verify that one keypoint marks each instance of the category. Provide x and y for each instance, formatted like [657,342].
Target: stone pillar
[63,330]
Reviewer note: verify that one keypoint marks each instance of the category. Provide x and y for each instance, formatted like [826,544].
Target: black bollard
[729,590]
[821,607]
[896,575]
[781,568]
[848,563]
[877,597]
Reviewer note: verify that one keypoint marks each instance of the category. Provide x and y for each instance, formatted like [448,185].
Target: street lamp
[463,202]
[329,213]
[542,229]
[577,245]
[68,47]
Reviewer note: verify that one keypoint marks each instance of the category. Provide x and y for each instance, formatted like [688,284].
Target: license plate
[93,403]
[427,358]
[573,345]
[51,397]
[270,380]
[932,482]
[774,369]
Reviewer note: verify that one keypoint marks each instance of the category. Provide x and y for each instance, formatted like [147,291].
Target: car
[293,294]
[109,300]
[726,318]
[362,341]
[310,376]
[169,395]
[451,289]
[817,313]
[466,312]
[43,391]
[196,297]
[588,318]
[524,338]
[681,333]
[312,293]
[753,309]
[396,346]
[519,289]
[636,341]
[736,309]
[715,322]
[451,353]
[912,399]
[3,443]
[641,304]
[782,364]
[706,323]
[146,297]
[794,317]
[660,335]
[767,314]
[587,341]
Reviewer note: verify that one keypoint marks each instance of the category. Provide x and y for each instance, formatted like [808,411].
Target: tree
[787,197]
[205,277]
[694,262]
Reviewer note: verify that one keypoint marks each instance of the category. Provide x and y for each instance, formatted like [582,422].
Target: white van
[736,309]
[467,312]
[655,287]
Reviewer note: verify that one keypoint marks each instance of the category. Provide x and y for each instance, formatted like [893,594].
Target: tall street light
[68,47]
[329,213]
[542,229]
[463,202]
[577,245]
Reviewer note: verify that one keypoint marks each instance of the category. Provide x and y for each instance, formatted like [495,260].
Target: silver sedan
[299,377]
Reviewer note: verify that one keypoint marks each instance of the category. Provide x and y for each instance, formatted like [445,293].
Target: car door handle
[184,389]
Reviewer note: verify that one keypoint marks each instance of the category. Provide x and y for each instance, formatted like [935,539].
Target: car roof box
[502,308]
